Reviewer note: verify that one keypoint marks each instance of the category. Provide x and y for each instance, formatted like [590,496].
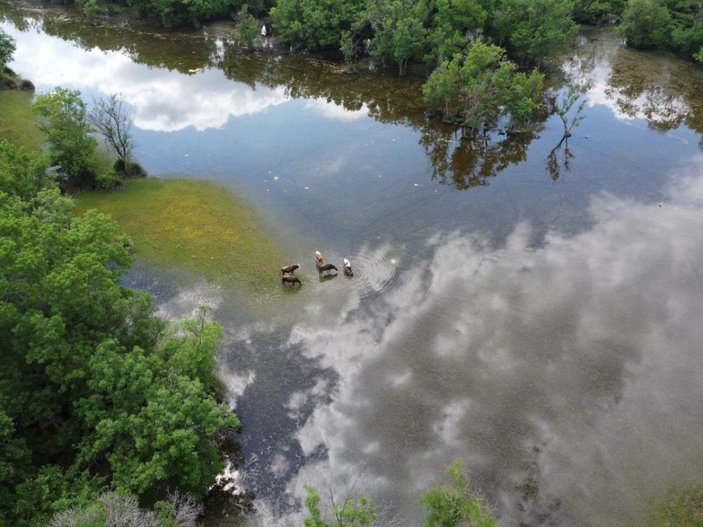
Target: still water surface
[538,318]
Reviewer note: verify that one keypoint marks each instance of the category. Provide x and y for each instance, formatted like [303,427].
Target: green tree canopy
[7,47]
[646,23]
[64,119]
[535,30]
[453,24]
[481,85]
[398,29]
[315,24]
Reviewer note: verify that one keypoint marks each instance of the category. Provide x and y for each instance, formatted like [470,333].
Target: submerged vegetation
[190,224]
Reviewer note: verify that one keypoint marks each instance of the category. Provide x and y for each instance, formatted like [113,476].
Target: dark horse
[290,279]
[289,269]
[326,268]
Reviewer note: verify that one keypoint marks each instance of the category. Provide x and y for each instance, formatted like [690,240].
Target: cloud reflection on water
[566,377]
[163,101]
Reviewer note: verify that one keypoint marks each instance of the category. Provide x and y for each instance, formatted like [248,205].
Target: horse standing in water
[290,269]
[291,279]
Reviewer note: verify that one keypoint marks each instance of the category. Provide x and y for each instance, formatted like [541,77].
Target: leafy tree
[398,27]
[481,85]
[22,173]
[523,96]
[7,47]
[453,24]
[64,119]
[354,512]
[646,23]
[315,24]
[456,504]
[247,26]
[535,30]
[152,418]
[686,26]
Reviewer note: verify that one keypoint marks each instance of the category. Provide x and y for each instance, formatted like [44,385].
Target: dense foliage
[168,12]
[676,25]
[7,48]
[481,85]
[430,31]
[535,30]
[95,391]
[315,24]
[64,120]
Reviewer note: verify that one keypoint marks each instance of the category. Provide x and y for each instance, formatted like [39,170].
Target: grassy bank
[194,226]
[17,123]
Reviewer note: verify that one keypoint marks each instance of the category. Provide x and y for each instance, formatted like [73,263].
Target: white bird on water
[347,268]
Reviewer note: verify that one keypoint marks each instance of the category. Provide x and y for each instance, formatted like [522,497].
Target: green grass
[194,226]
[17,123]
[683,509]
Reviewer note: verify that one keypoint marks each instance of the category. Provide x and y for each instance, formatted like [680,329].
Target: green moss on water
[194,226]
[17,122]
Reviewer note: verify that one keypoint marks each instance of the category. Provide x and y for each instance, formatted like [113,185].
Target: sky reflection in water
[565,377]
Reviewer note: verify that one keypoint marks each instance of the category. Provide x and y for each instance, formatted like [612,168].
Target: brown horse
[325,268]
[289,269]
[291,279]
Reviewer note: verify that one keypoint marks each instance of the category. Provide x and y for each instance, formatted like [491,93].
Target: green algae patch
[194,226]
[17,122]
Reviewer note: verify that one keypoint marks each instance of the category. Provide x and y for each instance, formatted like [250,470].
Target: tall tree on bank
[64,119]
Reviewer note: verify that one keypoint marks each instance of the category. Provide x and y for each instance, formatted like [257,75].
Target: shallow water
[540,324]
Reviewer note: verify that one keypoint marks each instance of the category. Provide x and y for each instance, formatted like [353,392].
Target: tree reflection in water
[465,160]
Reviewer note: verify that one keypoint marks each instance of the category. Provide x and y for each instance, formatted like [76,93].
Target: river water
[537,316]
